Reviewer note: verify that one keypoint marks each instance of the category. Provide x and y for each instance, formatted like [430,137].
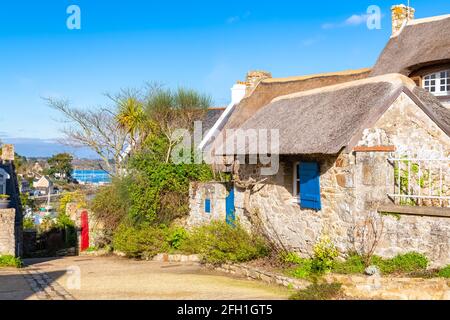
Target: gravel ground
[113,278]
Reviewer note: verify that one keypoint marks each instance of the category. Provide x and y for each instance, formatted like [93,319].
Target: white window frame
[439,82]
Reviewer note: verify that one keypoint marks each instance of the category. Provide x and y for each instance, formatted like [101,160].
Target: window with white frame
[438,83]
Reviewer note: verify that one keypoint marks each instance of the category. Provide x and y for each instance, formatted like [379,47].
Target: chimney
[238,92]
[401,14]
[255,77]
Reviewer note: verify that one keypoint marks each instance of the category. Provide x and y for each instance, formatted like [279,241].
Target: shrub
[303,270]
[316,291]
[445,272]
[325,253]
[111,204]
[291,258]
[218,243]
[354,264]
[176,236]
[28,224]
[140,242]
[405,263]
[8,261]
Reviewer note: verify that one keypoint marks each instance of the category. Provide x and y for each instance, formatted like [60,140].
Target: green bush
[325,254]
[218,243]
[28,224]
[405,263]
[141,242]
[354,264]
[316,291]
[445,272]
[176,237]
[8,261]
[291,258]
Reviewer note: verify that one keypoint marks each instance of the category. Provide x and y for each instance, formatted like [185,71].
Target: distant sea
[91,176]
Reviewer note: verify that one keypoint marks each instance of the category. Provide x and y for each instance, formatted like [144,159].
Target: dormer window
[438,83]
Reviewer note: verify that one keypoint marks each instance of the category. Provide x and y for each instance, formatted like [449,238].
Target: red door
[84,231]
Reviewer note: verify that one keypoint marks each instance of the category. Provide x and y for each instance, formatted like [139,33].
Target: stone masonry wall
[198,193]
[7,232]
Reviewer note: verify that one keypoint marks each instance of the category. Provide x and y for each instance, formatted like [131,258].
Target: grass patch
[445,272]
[322,291]
[353,265]
[404,263]
[8,261]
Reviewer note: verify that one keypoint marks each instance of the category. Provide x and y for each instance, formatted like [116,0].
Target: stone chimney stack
[255,77]
[401,14]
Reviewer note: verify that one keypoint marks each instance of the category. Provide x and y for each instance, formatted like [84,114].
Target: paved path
[98,278]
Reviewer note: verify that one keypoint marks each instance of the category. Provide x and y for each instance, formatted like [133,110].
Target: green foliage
[445,272]
[325,253]
[303,270]
[354,264]
[77,197]
[28,224]
[111,204]
[218,243]
[160,191]
[4,197]
[322,291]
[291,257]
[27,202]
[176,237]
[8,261]
[141,242]
[60,165]
[63,221]
[406,263]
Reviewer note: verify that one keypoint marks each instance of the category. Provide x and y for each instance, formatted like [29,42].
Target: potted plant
[4,201]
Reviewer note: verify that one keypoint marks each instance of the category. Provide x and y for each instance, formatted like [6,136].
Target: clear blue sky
[205,45]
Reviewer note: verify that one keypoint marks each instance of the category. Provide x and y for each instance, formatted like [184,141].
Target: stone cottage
[362,156]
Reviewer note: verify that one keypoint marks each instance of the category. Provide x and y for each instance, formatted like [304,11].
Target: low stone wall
[164,257]
[252,273]
[391,288]
[7,232]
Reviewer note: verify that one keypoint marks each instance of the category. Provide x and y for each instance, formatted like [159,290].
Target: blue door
[231,211]
[309,173]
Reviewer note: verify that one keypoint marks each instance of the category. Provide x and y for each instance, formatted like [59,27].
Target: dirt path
[118,278]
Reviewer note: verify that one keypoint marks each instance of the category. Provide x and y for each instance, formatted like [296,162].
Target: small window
[208,206]
[438,83]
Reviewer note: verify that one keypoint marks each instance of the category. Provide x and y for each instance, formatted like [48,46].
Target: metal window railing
[419,181]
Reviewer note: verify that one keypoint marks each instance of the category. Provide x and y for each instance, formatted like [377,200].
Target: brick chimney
[255,77]
[400,15]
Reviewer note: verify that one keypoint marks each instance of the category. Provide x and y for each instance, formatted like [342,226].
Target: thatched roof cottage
[360,156]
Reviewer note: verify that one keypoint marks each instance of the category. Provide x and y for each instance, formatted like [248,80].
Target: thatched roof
[271,88]
[329,119]
[421,43]
[211,117]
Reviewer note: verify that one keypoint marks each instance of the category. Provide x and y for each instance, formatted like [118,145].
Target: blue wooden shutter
[208,205]
[309,175]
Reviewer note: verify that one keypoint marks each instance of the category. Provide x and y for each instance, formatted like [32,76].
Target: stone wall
[7,232]
[198,193]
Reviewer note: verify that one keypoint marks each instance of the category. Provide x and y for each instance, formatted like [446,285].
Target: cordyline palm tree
[172,110]
[131,118]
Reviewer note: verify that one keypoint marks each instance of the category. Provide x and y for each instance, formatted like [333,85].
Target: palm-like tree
[131,118]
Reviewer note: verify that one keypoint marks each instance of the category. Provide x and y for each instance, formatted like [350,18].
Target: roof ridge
[396,79]
[428,19]
[317,75]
